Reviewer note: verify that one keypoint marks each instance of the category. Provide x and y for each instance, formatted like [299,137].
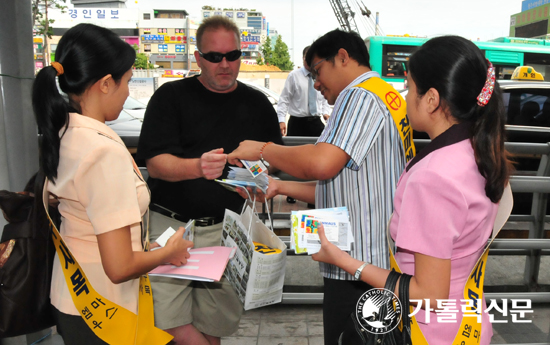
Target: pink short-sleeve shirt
[99,191]
[441,210]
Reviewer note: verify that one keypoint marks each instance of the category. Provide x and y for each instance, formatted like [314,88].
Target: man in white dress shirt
[304,104]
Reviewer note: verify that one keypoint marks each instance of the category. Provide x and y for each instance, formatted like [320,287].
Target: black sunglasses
[216,57]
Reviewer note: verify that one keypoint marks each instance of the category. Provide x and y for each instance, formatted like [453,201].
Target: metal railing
[532,247]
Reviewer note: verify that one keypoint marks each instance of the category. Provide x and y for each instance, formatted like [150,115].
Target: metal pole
[292,28]
[188,45]
[18,133]
[377,28]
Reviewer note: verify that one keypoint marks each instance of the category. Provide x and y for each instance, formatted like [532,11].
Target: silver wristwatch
[359,270]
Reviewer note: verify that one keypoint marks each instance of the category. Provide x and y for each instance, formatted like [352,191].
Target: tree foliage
[267,53]
[280,56]
[40,20]
[142,62]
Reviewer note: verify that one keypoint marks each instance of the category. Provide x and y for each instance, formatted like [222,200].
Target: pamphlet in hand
[241,177]
[188,235]
[254,167]
[204,264]
[305,224]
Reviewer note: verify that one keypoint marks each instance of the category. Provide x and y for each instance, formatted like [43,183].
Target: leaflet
[254,167]
[304,236]
[240,177]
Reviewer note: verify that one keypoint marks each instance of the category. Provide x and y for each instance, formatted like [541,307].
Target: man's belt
[307,118]
[204,221]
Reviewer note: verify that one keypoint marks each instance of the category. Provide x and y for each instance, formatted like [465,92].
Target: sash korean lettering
[109,321]
[469,332]
[398,110]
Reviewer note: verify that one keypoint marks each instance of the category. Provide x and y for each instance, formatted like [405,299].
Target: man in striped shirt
[357,161]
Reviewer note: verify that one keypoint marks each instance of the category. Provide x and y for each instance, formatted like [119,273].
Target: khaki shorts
[213,308]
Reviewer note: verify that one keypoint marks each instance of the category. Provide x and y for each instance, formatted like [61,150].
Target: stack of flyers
[241,177]
[304,225]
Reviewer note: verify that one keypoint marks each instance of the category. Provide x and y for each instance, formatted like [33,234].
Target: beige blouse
[99,191]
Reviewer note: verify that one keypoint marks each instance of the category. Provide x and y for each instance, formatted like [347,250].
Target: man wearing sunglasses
[357,161]
[188,128]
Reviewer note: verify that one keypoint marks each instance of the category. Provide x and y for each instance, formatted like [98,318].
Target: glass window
[527,107]
[147,47]
[395,60]
[147,16]
[540,62]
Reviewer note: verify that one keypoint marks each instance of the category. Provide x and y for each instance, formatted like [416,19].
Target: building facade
[532,21]
[167,37]
[252,25]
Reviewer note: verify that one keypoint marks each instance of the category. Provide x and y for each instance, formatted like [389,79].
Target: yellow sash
[110,322]
[398,110]
[469,332]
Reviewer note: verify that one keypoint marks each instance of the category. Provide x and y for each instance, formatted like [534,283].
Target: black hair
[87,53]
[457,69]
[304,52]
[328,45]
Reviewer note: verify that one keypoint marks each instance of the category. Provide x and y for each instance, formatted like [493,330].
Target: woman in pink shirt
[446,200]
[102,196]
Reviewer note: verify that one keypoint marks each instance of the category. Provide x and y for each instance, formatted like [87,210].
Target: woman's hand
[329,252]
[179,248]
[248,150]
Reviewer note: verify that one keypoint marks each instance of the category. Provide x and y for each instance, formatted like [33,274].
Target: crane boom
[344,14]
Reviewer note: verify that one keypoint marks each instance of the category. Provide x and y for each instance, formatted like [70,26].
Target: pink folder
[204,264]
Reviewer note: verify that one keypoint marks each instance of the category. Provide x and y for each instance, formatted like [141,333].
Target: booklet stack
[304,225]
[241,177]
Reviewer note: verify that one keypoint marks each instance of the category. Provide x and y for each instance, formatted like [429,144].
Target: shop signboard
[527,5]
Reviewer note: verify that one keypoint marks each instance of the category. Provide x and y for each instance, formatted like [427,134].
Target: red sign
[393,100]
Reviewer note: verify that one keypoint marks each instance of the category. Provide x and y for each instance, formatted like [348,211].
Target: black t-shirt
[185,119]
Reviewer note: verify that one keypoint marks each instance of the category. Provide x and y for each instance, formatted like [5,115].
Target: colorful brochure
[255,167]
[304,236]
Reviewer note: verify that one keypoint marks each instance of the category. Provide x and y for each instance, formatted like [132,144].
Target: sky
[472,19]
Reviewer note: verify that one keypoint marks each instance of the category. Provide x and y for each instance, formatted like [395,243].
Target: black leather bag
[355,334]
[26,261]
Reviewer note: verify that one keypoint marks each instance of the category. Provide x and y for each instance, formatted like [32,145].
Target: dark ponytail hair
[87,53]
[457,69]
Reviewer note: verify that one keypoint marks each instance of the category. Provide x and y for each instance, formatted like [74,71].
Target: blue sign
[527,5]
[152,38]
[250,38]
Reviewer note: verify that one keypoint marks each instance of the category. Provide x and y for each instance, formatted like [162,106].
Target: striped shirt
[362,126]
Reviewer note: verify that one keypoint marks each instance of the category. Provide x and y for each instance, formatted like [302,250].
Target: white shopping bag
[257,278]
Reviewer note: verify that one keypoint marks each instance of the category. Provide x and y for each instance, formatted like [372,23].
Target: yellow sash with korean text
[469,332]
[110,322]
[397,108]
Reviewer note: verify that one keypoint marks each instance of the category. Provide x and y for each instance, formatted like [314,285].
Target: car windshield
[133,104]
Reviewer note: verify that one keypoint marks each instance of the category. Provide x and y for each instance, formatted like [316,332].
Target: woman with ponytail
[447,198]
[102,196]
